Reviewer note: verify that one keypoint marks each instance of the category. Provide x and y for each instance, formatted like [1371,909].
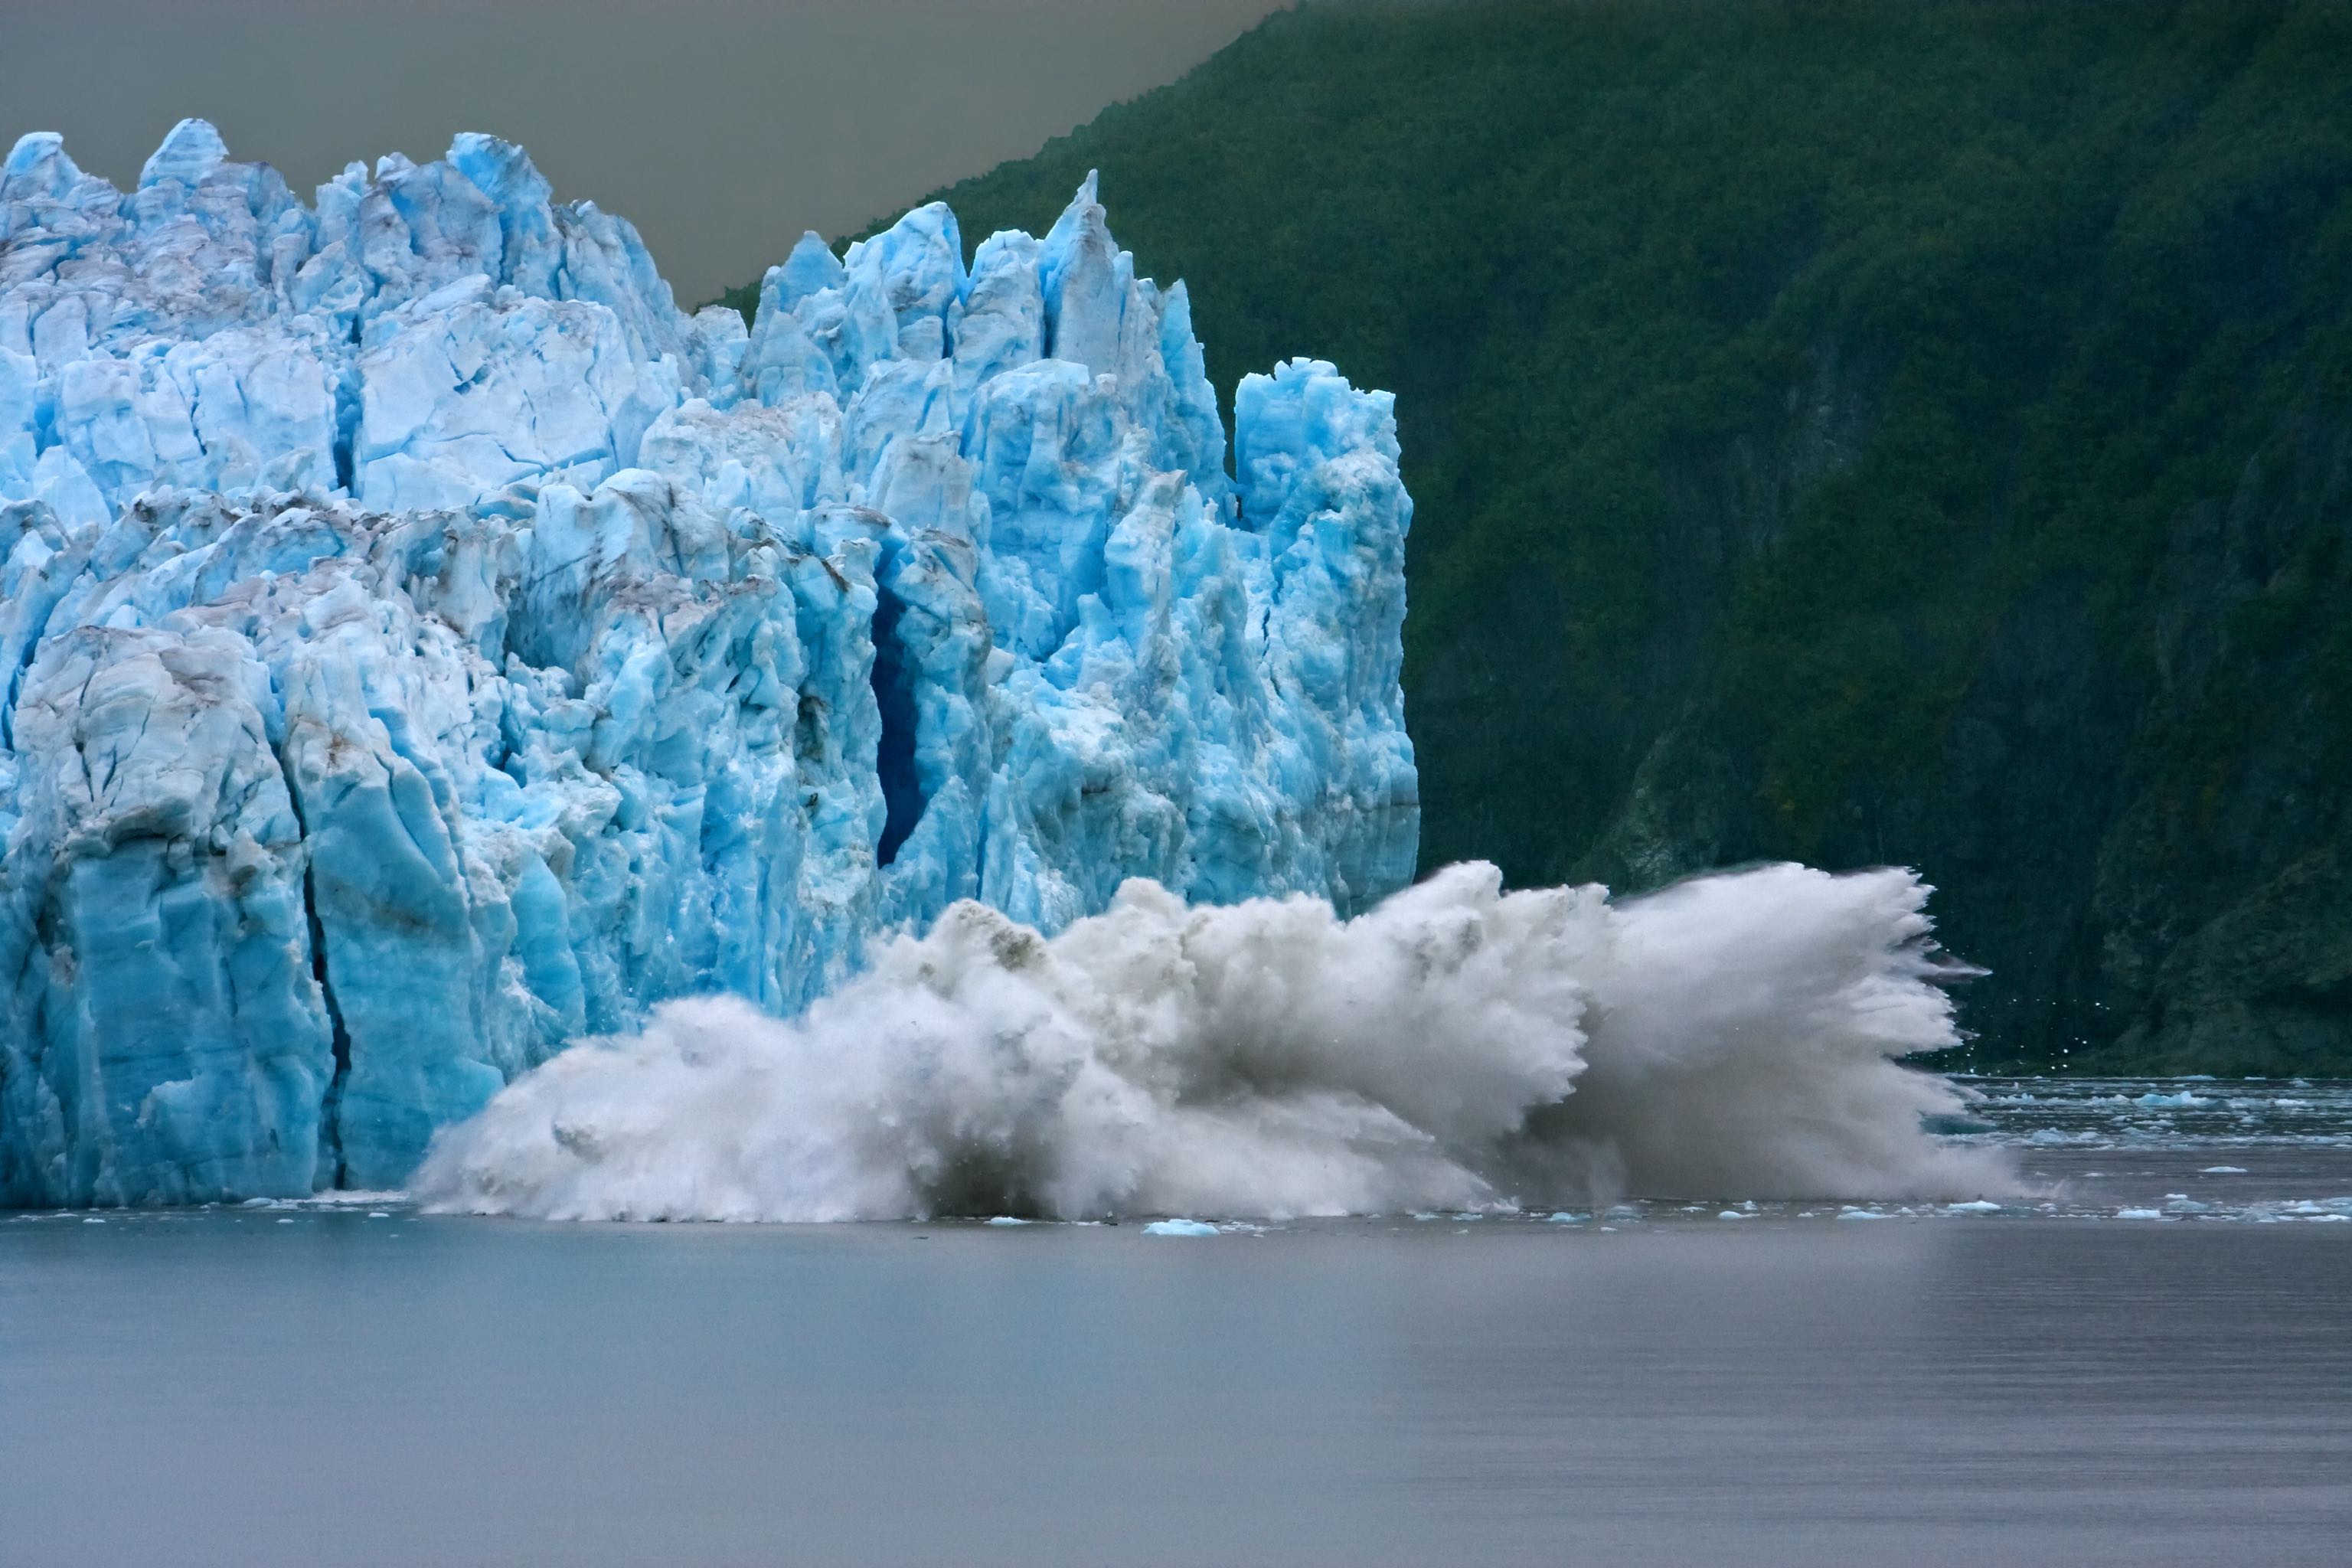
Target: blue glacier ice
[424,643]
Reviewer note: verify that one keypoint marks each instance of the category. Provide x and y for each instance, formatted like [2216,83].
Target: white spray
[1456,1046]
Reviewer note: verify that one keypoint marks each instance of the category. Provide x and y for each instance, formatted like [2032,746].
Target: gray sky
[721,128]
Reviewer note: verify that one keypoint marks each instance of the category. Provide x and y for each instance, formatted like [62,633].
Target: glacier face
[424,643]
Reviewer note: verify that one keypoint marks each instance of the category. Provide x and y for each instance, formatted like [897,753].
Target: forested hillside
[1859,433]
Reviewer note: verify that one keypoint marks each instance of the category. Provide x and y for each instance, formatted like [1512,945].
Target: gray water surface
[319,1387]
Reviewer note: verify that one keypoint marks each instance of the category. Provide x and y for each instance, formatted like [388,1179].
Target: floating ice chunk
[1980,1206]
[1731,1214]
[2222,1170]
[1851,1212]
[1007,1219]
[1179,1228]
[2139,1213]
[1566,1216]
[2183,1100]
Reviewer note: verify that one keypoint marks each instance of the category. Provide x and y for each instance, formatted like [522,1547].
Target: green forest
[1858,433]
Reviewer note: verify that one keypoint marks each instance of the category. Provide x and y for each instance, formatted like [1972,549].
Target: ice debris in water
[1454,1050]
[1179,1228]
[425,644]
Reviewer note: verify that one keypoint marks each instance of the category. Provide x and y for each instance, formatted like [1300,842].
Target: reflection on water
[355,1383]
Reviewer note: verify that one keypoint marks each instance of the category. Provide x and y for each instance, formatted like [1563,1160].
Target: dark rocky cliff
[2143,831]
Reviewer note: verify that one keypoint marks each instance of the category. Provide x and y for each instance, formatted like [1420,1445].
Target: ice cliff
[423,644]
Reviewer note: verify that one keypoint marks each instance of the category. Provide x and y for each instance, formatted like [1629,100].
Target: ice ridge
[423,644]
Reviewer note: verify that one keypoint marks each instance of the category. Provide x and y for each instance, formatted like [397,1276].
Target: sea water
[355,1382]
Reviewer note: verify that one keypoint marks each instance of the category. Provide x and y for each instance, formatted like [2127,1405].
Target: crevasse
[423,644]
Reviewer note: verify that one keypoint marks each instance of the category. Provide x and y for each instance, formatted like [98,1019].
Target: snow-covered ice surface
[424,643]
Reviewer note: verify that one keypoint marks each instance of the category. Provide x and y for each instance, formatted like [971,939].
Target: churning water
[1456,1046]
[1739,1291]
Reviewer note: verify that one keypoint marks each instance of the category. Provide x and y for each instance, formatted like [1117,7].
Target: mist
[1454,1048]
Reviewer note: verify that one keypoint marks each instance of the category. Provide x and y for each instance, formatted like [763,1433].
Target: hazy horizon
[721,128]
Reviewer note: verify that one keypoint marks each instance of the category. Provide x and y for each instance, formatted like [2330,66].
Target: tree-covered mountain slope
[1858,433]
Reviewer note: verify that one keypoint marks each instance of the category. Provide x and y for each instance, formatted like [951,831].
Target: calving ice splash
[425,648]
[1455,1047]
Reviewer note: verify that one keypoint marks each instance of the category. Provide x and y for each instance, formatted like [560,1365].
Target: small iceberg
[1180,1227]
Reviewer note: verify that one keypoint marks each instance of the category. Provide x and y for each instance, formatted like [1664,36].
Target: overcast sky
[721,128]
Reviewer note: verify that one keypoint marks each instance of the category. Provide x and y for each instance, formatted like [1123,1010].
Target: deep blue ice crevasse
[422,643]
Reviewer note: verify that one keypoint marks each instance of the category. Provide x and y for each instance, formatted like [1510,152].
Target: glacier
[424,644]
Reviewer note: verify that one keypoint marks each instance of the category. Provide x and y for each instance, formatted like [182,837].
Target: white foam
[1454,1048]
